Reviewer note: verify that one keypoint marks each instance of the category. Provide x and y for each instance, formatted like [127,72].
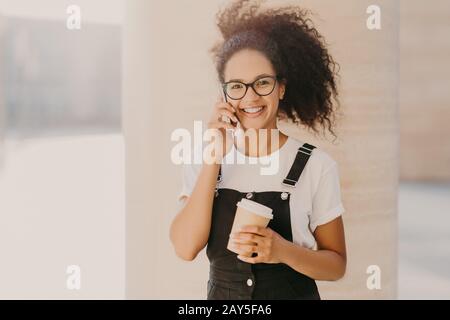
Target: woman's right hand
[222,110]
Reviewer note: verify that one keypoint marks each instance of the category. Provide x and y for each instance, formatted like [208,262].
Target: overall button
[249,282]
[249,195]
[216,193]
[284,195]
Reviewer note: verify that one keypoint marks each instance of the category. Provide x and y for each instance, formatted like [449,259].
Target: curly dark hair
[298,53]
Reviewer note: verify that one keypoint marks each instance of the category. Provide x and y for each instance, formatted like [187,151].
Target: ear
[281,88]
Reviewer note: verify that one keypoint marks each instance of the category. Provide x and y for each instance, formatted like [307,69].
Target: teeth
[253,110]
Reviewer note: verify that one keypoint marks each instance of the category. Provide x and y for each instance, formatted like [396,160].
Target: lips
[253,112]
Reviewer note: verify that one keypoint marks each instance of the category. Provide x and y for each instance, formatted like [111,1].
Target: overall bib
[231,278]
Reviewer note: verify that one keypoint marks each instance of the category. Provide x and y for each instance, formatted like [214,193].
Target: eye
[262,82]
[235,86]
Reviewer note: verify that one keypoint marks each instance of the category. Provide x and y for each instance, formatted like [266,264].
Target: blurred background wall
[154,104]
[58,80]
[62,179]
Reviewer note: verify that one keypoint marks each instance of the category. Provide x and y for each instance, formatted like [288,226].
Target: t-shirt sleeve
[327,204]
[189,178]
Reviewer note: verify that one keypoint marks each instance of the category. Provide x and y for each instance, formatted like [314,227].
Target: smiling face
[253,110]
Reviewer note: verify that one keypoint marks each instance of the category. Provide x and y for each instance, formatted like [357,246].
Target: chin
[254,126]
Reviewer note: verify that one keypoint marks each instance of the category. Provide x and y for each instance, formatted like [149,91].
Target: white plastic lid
[256,208]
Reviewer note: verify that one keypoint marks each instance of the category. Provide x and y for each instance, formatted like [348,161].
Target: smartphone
[228,120]
[225,118]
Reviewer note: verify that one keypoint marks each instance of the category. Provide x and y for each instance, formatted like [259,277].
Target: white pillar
[367,149]
[141,124]
[169,81]
[2,94]
[424,94]
[166,81]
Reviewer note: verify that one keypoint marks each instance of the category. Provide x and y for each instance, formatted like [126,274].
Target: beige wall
[158,51]
[368,141]
[2,97]
[424,90]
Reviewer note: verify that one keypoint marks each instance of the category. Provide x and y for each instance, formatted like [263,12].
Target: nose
[250,95]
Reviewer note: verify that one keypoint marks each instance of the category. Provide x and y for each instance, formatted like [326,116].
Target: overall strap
[219,177]
[303,154]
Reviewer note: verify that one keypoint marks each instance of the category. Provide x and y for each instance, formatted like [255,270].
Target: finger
[251,260]
[227,118]
[227,113]
[243,249]
[225,105]
[247,237]
[238,239]
[246,247]
[256,230]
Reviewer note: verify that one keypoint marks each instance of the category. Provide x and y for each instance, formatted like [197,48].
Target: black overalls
[231,278]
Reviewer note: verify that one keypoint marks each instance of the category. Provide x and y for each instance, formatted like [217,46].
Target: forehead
[246,65]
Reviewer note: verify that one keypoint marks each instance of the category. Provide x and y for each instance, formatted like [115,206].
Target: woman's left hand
[264,241]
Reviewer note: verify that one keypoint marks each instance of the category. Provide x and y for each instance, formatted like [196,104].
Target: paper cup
[251,213]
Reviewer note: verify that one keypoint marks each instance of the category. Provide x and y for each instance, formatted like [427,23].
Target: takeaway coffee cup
[251,213]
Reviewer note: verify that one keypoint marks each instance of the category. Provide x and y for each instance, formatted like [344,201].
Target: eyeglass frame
[250,84]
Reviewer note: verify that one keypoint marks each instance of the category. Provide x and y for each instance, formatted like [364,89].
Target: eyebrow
[257,77]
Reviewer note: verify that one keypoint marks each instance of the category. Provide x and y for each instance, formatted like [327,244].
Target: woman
[272,64]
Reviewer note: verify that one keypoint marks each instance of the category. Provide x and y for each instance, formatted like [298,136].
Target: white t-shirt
[315,200]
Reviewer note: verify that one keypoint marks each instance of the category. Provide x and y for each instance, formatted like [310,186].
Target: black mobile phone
[224,96]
